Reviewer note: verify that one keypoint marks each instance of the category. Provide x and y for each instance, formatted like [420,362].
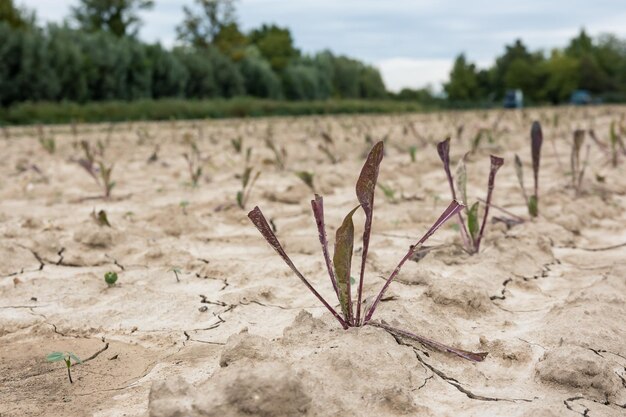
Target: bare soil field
[207,320]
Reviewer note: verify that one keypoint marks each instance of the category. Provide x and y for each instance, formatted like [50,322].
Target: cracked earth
[206,320]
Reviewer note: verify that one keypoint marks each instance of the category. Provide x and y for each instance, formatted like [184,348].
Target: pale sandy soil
[240,335]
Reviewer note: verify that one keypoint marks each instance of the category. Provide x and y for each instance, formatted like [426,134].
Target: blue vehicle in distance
[513,99]
[580,98]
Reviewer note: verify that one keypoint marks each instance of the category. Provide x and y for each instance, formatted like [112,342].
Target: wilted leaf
[496,164]
[318,213]
[258,219]
[536,136]
[342,260]
[474,357]
[365,188]
[443,149]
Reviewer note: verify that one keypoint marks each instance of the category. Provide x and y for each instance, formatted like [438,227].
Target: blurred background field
[92,60]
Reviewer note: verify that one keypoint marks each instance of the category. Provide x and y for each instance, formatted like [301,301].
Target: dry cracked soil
[206,320]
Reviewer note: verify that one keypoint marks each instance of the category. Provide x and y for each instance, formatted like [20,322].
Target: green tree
[119,17]
[24,70]
[259,79]
[463,84]
[17,18]
[200,81]
[202,23]
[562,77]
[68,62]
[231,41]
[275,44]
[169,75]
[346,74]
[580,46]
[301,82]
[228,79]
[516,58]
[371,84]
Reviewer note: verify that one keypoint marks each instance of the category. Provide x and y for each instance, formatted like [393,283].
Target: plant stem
[503,210]
[452,209]
[471,356]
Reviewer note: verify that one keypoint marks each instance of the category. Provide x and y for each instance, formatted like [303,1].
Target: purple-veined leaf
[365,190]
[536,140]
[318,212]
[257,217]
[342,260]
[91,170]
[471,356]
[449,212]
[461,180]
[582,171]
[579,139]
[496,163]
[443,149]
[613,139]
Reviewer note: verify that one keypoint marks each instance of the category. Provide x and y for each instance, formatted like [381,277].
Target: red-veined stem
[452,209]
[257,217]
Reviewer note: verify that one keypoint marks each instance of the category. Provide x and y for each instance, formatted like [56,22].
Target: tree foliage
[119,17]
[203,22]
[15,17]
[597,65]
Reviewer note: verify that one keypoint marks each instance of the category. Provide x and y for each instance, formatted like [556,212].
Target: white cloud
[413,42]
[399,73]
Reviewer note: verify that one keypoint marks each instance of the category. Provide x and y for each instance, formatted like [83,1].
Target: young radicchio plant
[97,168]
[472,233]
[340,266]
[536,140]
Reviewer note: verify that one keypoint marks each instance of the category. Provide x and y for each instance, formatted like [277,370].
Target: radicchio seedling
[471,234]
[536,140]
[340,266]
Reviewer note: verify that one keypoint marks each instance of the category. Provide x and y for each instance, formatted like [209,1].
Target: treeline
[95,56]
[596,65]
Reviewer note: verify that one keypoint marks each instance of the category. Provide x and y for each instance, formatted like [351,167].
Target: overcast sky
[413,43]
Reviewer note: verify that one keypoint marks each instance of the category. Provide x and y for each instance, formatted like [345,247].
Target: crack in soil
[224,280]
[95,355]
[36,255]
[454,382]
[567,402]
[502,296]
[54,326]
[60,255]
[120,266]
[426,381]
